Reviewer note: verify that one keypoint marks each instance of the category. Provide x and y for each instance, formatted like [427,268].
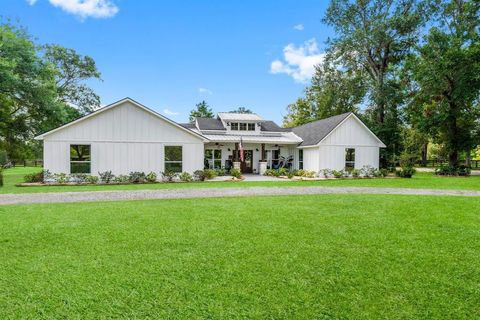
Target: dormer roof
[232,116]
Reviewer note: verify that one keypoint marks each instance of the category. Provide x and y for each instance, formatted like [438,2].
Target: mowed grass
[303,257]
[420,180]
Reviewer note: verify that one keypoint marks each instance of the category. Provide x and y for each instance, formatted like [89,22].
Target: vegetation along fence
[438,163]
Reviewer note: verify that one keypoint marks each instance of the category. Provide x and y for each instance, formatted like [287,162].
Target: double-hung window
[173,159]
[349,159]
[243,126]
[300,159]
[234,126]
[80,158]
[213,159]
[251,126]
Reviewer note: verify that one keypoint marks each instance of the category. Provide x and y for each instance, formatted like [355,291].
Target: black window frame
[77,165]
[168,163]
[300,159]
[349,159]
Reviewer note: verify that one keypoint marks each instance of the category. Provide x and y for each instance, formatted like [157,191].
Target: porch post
[263,163]
[235,152]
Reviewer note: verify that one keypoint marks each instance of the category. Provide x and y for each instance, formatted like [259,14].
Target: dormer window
[242,126]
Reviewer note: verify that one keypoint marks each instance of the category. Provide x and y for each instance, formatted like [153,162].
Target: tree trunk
[424,154]
[453,158]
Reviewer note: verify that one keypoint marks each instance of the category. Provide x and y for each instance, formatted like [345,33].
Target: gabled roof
[209,124]
[270,126]
[232,116]
[113,105]
[315,132]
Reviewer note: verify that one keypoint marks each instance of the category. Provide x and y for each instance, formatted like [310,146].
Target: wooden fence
[475,164]
[27,163]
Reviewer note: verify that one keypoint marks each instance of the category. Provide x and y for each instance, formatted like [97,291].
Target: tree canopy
[202,110]
[39,86]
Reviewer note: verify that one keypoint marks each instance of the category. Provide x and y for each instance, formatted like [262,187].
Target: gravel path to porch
[6,199]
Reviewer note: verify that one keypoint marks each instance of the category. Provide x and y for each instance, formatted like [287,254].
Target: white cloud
[298,27]
[299,62]
[170,113]
[205,90]
[87,8]
[31,2]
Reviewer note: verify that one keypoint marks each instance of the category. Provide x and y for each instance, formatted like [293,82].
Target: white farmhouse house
[126,136]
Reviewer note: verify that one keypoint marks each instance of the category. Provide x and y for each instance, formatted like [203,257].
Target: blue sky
[169,55]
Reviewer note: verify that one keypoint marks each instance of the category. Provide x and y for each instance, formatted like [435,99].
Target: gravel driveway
[25,198]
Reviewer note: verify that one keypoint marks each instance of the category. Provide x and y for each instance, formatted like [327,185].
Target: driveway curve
[65,197]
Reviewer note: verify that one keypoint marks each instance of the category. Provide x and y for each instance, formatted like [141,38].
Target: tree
[31,101]
[202,110]
[332,91]
[241,110]
[71,70]
[373,37]
[446,85]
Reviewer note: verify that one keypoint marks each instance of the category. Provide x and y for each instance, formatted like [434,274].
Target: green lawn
[304,257]
[420,180]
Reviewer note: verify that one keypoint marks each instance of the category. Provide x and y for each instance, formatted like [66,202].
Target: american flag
[241,150]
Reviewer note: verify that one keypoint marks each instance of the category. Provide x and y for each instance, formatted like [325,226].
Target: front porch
[221,155]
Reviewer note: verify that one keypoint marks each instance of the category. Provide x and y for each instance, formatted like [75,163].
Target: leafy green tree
[37,90]
[373,37]
[446,82]
[202,110]
[71,70]
[242,110]
[332,91]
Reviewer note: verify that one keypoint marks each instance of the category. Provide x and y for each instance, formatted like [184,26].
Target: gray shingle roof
[189,125]
[272,127]
[210,124]
[313,132]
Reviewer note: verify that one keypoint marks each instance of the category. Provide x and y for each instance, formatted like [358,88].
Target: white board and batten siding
[124,138]
[330,152]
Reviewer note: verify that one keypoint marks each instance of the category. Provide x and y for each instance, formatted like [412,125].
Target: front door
[246,166]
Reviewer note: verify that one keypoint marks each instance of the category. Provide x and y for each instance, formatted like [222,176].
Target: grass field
[420,180]
[308,257]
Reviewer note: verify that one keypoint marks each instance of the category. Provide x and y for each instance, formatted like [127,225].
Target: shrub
[78,177]
[367,171]
[122,178]
[209,174]
[106,176]
[299,173]
[309,174]
[34,177]
[384,172]
[199,175]
[60,178]
[405,172]
[168,176]
[220,172]
[453,171]
[338,174]
[137,177]
[186,177]
[282,171]
[355,173]
[271,173]
[236,173]
[91,179]
[327,173]
[151,177]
